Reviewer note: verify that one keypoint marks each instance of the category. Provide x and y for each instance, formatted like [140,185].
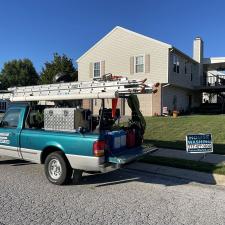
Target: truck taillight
[99,148]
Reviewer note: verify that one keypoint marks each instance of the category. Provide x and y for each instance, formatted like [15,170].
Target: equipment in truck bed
[66,119]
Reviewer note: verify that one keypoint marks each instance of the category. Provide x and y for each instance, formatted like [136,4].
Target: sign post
[199,143]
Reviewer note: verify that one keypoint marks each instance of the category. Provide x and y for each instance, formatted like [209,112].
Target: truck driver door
[9,133]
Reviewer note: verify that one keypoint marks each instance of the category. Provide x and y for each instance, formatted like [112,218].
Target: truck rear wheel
[57,170]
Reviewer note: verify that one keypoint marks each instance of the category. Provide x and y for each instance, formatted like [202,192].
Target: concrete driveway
[125,196]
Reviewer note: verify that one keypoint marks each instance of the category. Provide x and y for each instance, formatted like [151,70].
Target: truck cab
[10,129]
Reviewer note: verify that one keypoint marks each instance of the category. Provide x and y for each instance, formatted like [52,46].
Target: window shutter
[102,68]
[91,70]
[132,65]
[147,63]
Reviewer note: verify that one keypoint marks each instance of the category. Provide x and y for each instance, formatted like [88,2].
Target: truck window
[11,118]
[35,119]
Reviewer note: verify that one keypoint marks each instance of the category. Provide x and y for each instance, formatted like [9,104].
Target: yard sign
[199,143]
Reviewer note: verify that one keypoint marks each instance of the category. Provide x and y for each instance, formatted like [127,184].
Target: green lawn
[170,132]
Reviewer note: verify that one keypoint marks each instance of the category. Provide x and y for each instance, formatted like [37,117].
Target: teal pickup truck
[65,155]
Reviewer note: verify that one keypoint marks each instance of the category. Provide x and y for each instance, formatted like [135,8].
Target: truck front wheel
[57,170]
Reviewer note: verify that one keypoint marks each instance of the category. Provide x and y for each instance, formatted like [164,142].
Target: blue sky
[36,29]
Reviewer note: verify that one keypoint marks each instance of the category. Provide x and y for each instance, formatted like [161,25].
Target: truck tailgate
[130,155]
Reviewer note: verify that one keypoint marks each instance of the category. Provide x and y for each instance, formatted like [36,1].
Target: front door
[9,133]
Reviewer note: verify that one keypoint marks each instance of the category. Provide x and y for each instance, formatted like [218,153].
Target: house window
[176,64]
[97,69]
[191,78]
[139,64]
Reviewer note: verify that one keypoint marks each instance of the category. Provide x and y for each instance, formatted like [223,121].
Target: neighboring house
[126,53]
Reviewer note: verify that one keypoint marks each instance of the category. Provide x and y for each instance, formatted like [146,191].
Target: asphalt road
[121,197]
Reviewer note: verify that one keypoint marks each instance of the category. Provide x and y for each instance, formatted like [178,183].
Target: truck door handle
[13,134]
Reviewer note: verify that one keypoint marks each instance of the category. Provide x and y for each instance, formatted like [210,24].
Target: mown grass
[185,164]
[171,132]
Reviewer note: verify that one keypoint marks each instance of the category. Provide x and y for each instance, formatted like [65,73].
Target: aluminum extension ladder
[115,87]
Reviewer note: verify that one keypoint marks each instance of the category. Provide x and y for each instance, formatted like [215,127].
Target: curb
[220,179]
[190,175]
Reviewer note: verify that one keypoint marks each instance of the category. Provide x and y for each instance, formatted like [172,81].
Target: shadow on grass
[181,145]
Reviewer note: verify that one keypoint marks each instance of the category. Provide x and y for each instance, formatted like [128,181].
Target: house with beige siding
[126,53]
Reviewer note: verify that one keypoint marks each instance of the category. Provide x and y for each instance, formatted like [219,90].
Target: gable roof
[126,30]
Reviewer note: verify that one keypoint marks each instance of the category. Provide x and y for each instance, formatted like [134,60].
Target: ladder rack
[96,89]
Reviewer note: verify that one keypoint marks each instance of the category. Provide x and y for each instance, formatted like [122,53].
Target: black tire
[57,168]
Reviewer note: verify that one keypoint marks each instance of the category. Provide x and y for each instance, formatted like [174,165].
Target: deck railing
[214,80]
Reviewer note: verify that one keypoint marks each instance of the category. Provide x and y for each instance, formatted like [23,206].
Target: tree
[18,73]
[59,64]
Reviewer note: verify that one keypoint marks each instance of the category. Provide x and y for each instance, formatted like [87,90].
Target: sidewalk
[189,175]
[182,154]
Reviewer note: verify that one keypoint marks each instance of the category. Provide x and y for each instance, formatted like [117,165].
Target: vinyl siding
[117,49]
[157,102]
[181,79]
[145,105]
[181,94]
[108,104]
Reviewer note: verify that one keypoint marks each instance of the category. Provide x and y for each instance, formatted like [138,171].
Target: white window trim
[135,64]
[100,63]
